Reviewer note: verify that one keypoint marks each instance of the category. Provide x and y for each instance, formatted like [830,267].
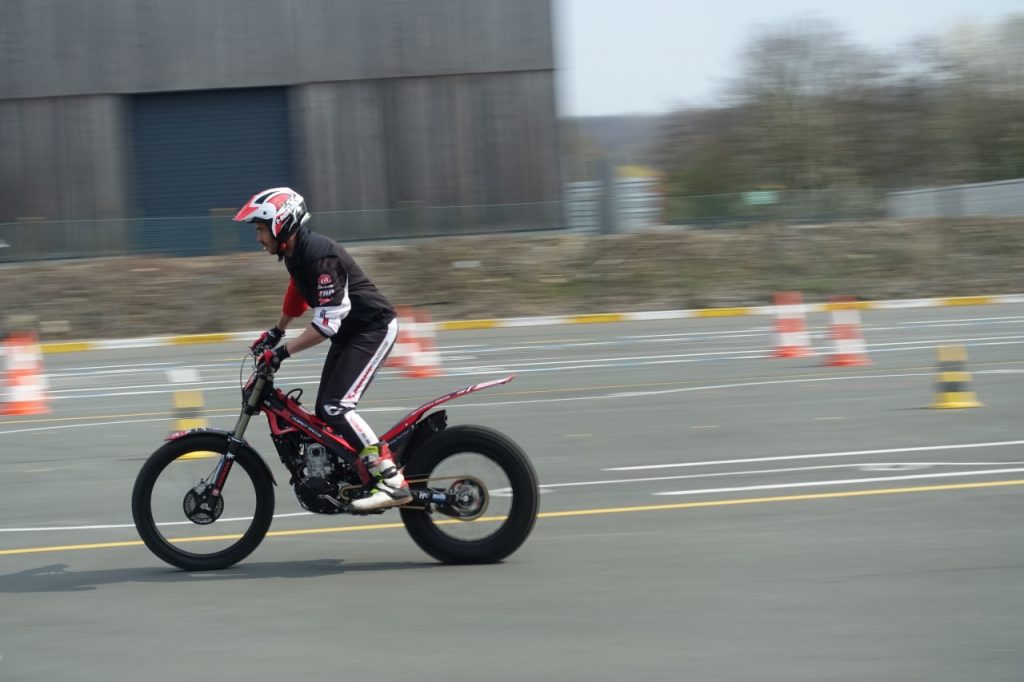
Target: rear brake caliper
[466,499]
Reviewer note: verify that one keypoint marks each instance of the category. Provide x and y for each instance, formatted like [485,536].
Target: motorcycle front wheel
[494,491]
[182,524]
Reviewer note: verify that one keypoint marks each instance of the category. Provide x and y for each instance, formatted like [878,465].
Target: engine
[316,473]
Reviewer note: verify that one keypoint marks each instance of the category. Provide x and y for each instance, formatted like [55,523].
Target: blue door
[198,157]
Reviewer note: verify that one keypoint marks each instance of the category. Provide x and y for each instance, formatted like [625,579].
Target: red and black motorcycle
[475,494]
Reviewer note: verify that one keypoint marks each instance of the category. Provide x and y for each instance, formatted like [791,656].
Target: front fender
[180,435]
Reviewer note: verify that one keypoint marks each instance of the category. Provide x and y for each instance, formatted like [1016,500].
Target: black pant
[352,361]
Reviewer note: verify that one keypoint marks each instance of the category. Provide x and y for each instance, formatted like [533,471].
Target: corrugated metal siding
[61,158]
[67,47]
[411,145]
[202,154]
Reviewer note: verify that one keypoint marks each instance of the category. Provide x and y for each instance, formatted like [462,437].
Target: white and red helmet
[282,208]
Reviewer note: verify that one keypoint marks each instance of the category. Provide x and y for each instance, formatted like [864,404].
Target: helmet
[282,208]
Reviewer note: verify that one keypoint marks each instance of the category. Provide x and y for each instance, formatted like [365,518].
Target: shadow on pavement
[57,577]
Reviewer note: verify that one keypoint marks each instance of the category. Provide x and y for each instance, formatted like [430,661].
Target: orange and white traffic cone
[791,337]
[849,349]
[406,344]
[26,383]
[425,362]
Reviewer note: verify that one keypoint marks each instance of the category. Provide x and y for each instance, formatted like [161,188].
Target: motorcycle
[456,476]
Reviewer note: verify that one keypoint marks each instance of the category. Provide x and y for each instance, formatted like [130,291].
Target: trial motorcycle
[475,493]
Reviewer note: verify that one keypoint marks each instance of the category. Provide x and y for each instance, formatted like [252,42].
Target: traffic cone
[953,387]
[791,337]
[849,349]
[425,361]
[406,344]
[26,383]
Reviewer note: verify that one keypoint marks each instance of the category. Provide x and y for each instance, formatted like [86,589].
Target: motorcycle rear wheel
[163,505]
[447,459]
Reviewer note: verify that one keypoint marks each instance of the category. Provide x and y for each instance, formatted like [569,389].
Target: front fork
[251,407]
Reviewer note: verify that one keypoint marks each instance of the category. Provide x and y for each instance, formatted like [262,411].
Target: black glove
[268,339]
[272,358]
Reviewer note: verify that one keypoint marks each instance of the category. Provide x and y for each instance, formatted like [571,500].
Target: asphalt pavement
[709,512]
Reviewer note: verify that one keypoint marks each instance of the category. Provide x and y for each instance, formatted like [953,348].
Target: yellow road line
[783,498]
[556,515]
[194,339]
[68,548]
[966,300]
[458,325]
[722,312]
[598,318]
[66,347]
[491,323]
[198,455]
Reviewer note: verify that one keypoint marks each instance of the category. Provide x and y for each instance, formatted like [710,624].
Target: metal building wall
[63,158]
[69,47]
[457,141]
[395,104]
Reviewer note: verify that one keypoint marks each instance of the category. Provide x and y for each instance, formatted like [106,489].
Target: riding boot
[389,486]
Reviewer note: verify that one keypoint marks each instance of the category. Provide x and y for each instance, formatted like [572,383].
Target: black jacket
[328,280]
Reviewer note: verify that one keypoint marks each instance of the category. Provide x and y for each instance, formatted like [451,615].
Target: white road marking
[850,481]
[821,455]
[758,331]
[749,472]
[115,526]
[530,367]
[938,322]
[549,487]
[537,401]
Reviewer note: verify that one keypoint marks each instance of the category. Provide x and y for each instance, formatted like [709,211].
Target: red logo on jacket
[324,289]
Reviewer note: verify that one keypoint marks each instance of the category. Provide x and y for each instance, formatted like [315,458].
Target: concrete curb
[457,325]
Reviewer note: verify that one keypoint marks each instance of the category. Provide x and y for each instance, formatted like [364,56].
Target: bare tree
[810,109]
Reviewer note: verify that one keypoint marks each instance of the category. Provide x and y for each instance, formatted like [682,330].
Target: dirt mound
[517,275]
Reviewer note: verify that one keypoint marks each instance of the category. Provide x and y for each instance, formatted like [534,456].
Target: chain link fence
[1000,199]
[636,204]
[808,206]
[216,233]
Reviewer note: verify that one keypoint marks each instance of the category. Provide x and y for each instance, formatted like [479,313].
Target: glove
[267,340]
[270,360]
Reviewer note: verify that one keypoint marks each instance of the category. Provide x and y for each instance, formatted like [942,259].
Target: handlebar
[260,368]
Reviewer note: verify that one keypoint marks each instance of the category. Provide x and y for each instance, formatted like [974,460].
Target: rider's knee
[334,411]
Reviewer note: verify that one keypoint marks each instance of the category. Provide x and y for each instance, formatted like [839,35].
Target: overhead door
[198,157]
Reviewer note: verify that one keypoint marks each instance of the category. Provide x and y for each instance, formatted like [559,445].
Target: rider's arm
[284,321]
[333,306]
[293,306]
[307,339]
[333,303]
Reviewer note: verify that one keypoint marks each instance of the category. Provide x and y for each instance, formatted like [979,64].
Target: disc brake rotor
[198,508]
[469,499]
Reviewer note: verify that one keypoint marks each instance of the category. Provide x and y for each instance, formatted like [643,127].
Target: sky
[652,56]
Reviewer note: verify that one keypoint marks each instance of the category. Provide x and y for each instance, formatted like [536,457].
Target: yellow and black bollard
[188,404]
[188,408]
[953,387]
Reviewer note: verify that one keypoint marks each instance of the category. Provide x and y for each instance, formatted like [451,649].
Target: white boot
[390,488]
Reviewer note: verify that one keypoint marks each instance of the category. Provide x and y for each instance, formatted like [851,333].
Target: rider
[347,309]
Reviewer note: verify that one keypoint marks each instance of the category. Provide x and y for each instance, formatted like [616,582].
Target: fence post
[609,202]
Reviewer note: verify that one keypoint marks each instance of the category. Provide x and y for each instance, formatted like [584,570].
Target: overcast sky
[650,56]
